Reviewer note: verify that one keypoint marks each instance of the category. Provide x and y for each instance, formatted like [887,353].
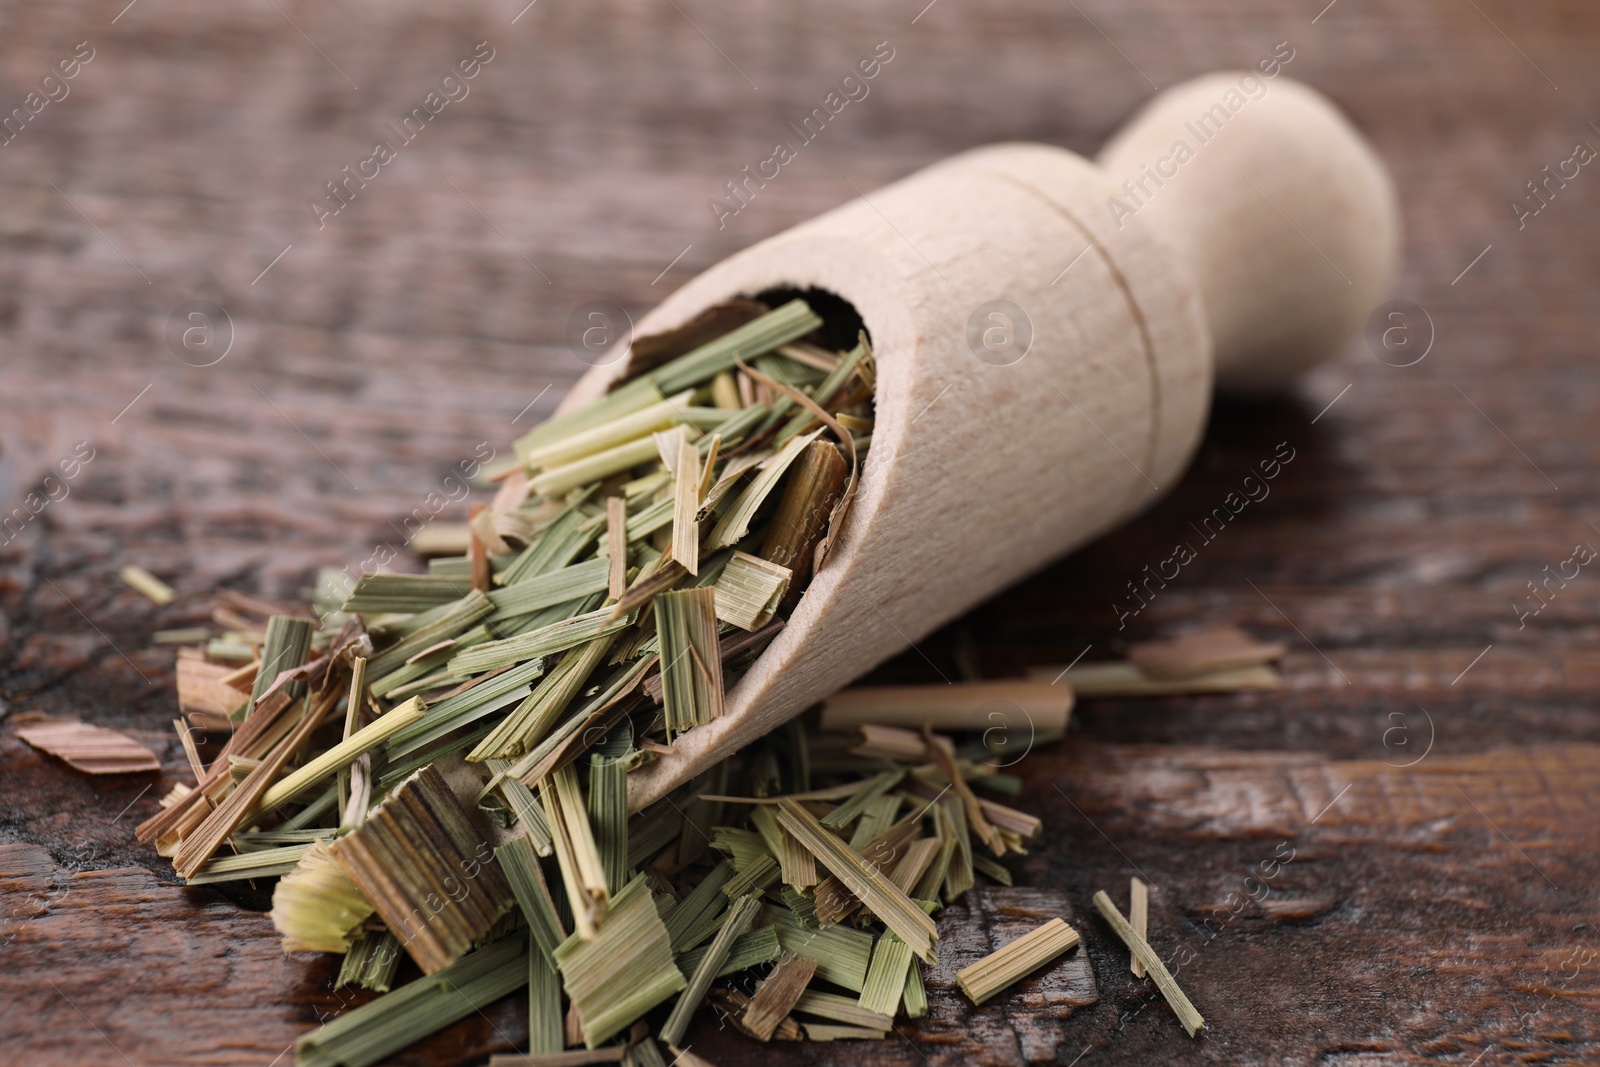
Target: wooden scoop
[1047,332]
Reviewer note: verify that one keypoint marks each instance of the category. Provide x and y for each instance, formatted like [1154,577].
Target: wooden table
[1432,766]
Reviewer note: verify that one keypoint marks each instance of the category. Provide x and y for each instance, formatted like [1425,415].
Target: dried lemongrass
[427,872]
[886,977]
[591,589]
[1204,651]
[742,847]
[756,878]
[582,872]
[596,467]
[264,863]
[429,628]
[370,1033]
[958,876]
[859,799]
[730,1004]
[842,954]
[836,1032]
[798,867]
[440,539]
[914,863]
[877,819]
[481,524]
[316,907]
[616,547]
[287,644]
[608,815]
[191,752]
[147,584]
[927,887]
[522,804]
[405,593]
[976,821]
[352,815]
[841,506]
[1013,706]
[620,430]
[991,868]
[1123,679]
[244,800]
[545,1031]
[687,479]
[624,970]
[521,866]
[724,394]
[530,722]
[1011,820]
[342,755]
[749,949]
[1138,918]
[1016,960]
[778,994]
[811,355]
[1191,1019]
[838,374]
[778,327]
[637,394]
[691,664]
[738,919]
[839,1009]
[750,590]
[556,637]
[834,901]
[897,743]
[482,697]
[880,895]
[370,962]
[559,586]
[733,525]
[914,1000]
[593,720]
[569,1058]
[91,749]
[698,907]
[255,737]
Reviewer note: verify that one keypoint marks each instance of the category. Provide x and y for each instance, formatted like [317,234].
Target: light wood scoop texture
[1260,255]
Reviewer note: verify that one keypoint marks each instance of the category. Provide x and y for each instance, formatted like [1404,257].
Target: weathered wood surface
[1434,913]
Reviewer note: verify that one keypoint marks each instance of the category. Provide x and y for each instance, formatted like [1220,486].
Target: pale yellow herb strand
[1192,1020]
[685,503]
[886,976]
[629,427]
[588,874]
[144,582]
[617,546]
[1015,961]
[1139,918]
[342,755]
[597,467]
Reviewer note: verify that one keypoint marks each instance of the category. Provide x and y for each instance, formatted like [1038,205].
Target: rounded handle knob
[1286,219]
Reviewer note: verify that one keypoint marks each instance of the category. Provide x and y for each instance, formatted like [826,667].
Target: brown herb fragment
[91,749]
[428,873]
[776,996]
[1203,651]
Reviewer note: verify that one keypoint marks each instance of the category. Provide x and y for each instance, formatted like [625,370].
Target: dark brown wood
[1439,912]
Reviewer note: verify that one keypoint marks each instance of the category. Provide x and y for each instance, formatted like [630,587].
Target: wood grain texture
[410,328]
[1057,438]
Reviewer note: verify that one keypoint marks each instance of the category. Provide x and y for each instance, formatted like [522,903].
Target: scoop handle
[1277,207]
